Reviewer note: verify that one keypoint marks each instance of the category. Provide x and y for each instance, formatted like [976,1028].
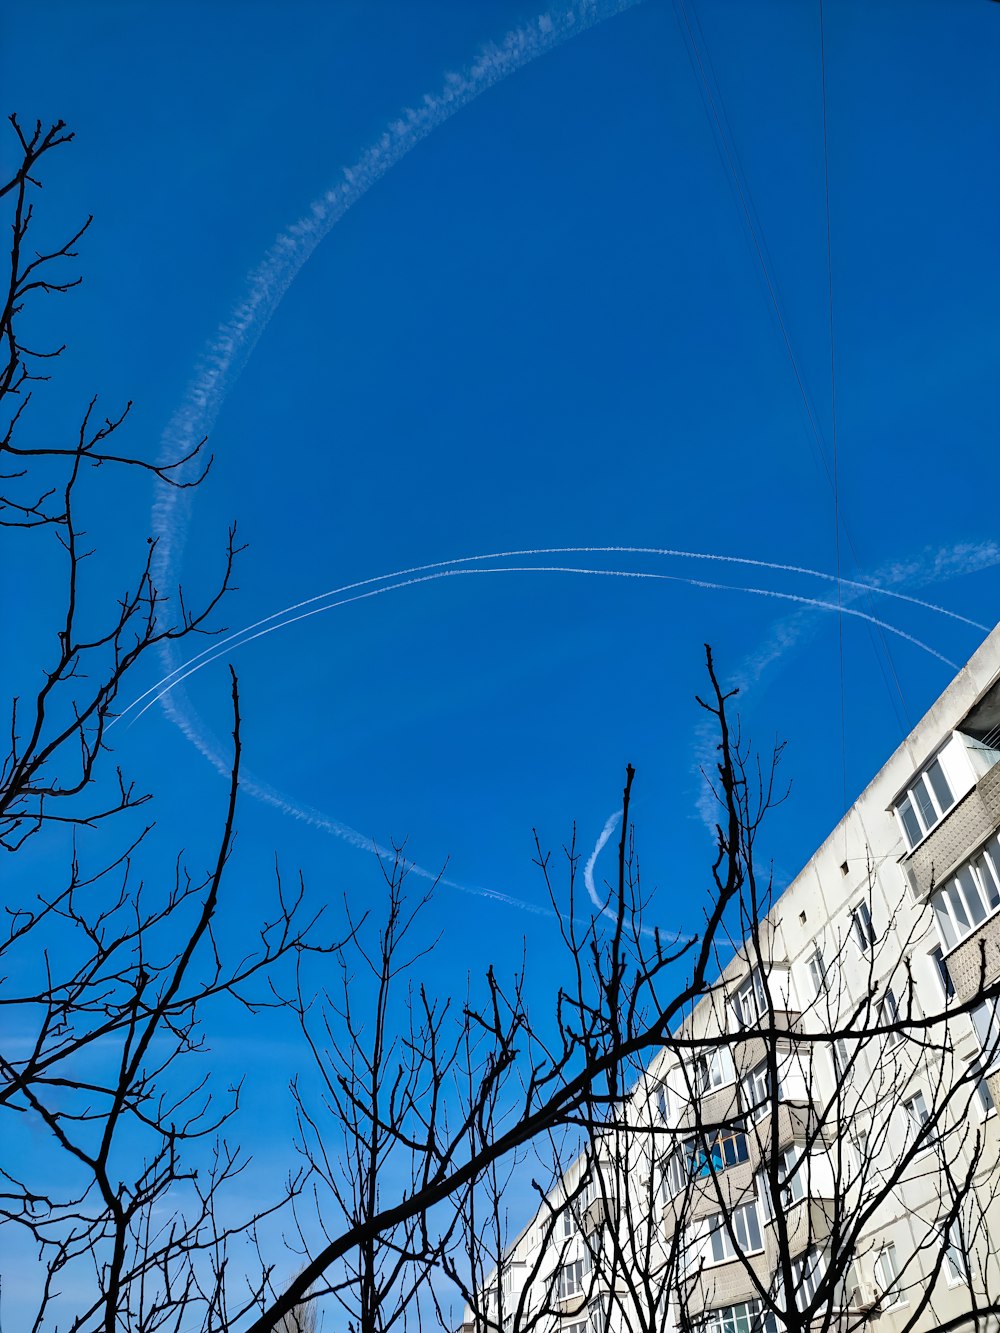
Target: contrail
[241,638]
[307,814]
[610,824]
[555,550]
[234,341]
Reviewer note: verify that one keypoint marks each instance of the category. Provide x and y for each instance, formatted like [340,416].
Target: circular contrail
[183,670]
[272,623]
[234,341]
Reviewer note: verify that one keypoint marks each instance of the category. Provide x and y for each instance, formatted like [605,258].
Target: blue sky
[546,325]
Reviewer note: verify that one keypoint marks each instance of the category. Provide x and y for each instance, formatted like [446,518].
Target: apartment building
[819,1140]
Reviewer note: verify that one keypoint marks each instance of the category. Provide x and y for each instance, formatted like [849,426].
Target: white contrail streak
[307,814]
[234,341]
[236,641]
[551,550]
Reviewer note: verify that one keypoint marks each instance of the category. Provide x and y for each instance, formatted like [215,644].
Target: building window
[944,976]
[817,975]
[986,1021]
[887,1276]
[748,1317]
[918,1115]
[888,1017]
[861,924]
[570,1278]
[750,1002]
[859,1151]
[926,801]
[746,1228]
[662,1103]
[807,1274]
[757,1091]
[703,1157]
[793,1183]
[840,1058]
[597,1315]
[969,896]
[710,1071]
[956,1263]
[983,1094]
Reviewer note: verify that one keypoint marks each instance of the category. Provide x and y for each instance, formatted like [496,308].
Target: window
[986,1021]
[817,974]
[807,1274]
[918,1116]
[751,1000]
[956,1264]
[757,1091]
[569,1279]
[944,976]
[747,1317]
[888,1017]
[662,1103]
[710,1071]
[840,1058]
[861,924]
[926,801]
[969,896]
[887,1275]
[859,1151]
[983,1094]
[597,1315]
[793,1182]
[702,1157]
[746,1229]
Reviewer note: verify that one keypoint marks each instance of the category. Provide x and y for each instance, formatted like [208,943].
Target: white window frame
[840,1058]
[760,1097]
[858,1143]
[807,1273]
[886,1271]
[986,1024]
[942,974]
[956,1261]
[792,1164]
[746,1225]
[570,1278]
[983,1095]
[661,1100]
[750,1001]
[917,1115]
[924,802]
[818,974]
[710,1070]
[888,1014]
[862,926]
[747,1317]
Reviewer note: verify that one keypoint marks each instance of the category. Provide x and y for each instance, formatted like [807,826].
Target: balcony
[968,823]
[975,961]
